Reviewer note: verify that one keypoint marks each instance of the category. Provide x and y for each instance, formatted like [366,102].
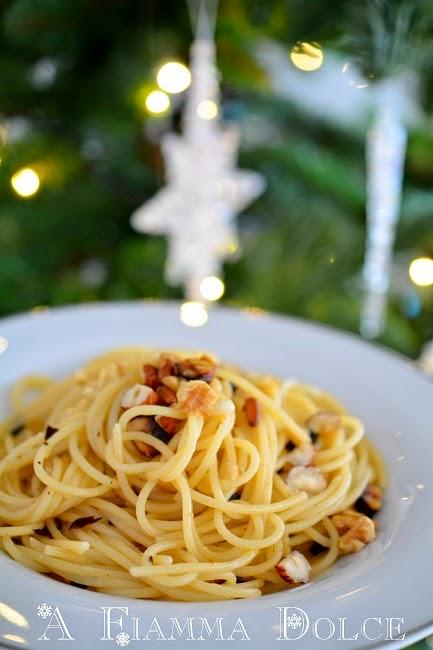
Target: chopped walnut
[150,376]
[201,368]
[302,455]
[324,422]
[171,382]
[251,410]
[140,423]
[196,397]
[170,425]
[145,449]
[370,501]
[166,367]
[138,395]
[166,396]
[355,530]
[306,479]
[295,568]
[148,424]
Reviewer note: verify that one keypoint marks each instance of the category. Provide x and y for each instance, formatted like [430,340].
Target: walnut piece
[295,568]
[196,396]
[302,455]
[170,425]
[306,479]
[166,395]
[370,501]
[355,530]
[324,422]
[202,368]
[137,395]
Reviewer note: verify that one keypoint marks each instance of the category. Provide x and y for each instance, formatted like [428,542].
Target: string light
[173,77]
[25,182]
[421,271]
[212,288]
[157,102]
[193,314]
[207,109]
[307,56]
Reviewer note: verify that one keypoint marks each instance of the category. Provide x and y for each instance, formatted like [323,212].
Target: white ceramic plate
[391,578]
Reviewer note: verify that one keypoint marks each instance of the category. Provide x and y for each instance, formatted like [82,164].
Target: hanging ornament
[385,155]
[204,191]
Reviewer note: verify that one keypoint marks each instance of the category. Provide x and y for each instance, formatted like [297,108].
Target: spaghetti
[168,475]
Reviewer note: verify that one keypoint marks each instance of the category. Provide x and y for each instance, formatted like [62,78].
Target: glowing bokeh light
[193,314]
[25,182]
[157,102]
[173,77]
[4,344]
[207,109]
[421,271]
[212,288]
[307,56]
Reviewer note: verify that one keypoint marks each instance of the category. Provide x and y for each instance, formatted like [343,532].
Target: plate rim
[241,310]
[412,635]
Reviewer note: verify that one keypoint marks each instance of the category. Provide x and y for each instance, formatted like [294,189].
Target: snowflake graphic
[294,621]
[44,610]
[123,639]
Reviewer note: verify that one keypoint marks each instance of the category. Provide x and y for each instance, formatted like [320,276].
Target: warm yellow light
[157,102]
[173,77]
[13,616]
[231,247]
[211,288]
[4,344]
[207,109]
[25,182]
[307,56]
[421,271]
[193,314]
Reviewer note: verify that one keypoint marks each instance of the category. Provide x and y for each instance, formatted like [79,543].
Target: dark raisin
[240,579]
[219,581]
[84,521]
[235,496]
[290,446]
[313,435]
[50,431]
[17,429]
[316,548]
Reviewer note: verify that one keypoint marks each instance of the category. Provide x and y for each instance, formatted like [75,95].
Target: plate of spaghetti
[261,472]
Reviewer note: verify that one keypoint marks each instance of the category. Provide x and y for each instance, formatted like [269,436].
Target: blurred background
[80,129]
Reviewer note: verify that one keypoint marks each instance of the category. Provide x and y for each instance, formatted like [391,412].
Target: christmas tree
[80,152]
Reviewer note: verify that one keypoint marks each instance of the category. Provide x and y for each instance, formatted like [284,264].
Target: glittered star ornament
[204,191]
